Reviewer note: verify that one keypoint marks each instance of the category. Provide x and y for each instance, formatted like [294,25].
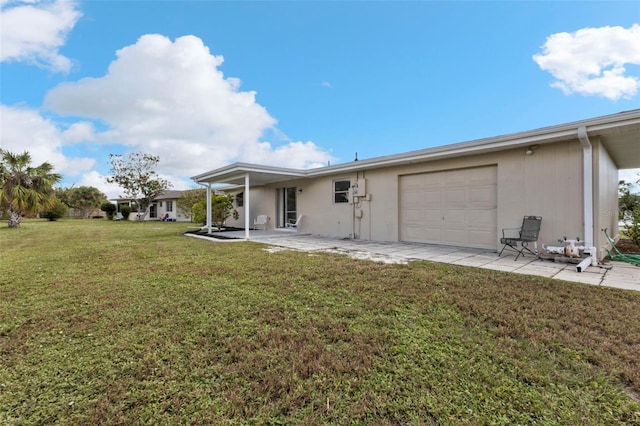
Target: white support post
[247,212]
[209,208]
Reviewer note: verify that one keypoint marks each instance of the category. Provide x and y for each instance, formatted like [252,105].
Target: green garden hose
[634,259]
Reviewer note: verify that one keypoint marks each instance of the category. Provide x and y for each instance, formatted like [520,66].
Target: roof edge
[541,135]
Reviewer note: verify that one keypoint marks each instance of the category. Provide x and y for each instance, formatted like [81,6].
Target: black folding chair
[527,233]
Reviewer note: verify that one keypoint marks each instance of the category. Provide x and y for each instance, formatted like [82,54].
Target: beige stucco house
[462,194]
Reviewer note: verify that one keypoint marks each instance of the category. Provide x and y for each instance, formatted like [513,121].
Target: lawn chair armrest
[515,231]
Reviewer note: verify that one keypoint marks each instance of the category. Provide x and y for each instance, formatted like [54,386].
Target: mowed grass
[129,323]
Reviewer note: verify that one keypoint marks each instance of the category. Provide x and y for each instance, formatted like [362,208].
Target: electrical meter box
[360,188]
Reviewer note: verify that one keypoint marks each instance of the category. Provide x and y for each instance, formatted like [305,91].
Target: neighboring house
[163,207]
[461,194]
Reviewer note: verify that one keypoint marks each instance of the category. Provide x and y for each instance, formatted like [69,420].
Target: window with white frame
[169,206]
[341,190]
[240,199]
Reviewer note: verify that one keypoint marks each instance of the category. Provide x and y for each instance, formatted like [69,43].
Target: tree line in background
[27,190]
[629,211]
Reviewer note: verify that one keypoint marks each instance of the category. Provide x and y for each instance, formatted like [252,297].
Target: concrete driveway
[614,274]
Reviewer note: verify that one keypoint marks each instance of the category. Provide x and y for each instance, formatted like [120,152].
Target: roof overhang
[235,174]
[620,137]
[619,133]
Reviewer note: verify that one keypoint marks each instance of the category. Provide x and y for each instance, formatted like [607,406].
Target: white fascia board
[617,125]
[447,151]
[611,121]
[557,133]
[238,170]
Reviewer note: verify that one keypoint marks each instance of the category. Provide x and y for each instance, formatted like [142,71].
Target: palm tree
[23,188]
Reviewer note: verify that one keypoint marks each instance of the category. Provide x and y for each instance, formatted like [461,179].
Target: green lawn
[127,323]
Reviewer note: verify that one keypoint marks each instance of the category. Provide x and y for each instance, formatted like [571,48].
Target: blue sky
[301,83]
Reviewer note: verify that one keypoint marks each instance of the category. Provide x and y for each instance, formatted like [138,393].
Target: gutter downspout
[587,183]
[247,213]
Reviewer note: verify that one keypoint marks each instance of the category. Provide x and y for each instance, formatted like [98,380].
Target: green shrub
[221,210]
[109,209]
[633,228]
[126,212]
[59,210]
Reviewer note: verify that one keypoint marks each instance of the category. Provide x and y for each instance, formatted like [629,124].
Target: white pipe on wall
[587,183]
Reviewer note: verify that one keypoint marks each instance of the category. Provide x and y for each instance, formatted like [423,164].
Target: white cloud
[631,176]
[592,61]
[82,131]
[327,84]
[170,99]
[24,129]
[34,31]
[96,180]
[294,155]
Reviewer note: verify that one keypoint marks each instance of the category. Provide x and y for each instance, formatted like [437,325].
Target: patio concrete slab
[614,274]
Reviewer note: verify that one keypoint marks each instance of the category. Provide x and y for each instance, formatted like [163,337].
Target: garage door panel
[432,217]
[423,181]
[423,233]
[432,197]
[457,207]
[431,180]
[413,198]
[483,196]
[432,233]
[411,215]
[483,175]
[455,236]
[454,197]
[455,181]
[455,217]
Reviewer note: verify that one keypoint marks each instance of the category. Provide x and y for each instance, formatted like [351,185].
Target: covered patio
[243,175]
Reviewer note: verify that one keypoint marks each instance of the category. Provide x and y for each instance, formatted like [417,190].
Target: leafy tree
[189,198]
[136,175]
[84,198]
[57,211]
[221,210]
[627,201]
[633,227]
[87,198]
[629,208]
[109,209]
[63,194]
[24,188]
[199,212]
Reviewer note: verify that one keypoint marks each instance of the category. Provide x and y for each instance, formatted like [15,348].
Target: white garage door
[454,207]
